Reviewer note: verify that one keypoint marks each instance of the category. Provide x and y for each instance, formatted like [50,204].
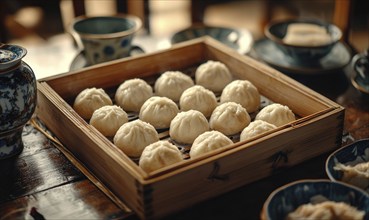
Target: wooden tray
[317,130]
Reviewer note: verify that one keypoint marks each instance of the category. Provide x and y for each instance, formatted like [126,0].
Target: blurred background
[36,24]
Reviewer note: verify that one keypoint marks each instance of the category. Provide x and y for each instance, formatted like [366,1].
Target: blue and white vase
[18,97]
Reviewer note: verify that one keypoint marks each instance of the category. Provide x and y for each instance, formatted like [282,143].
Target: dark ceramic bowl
[360,68]
[352,154]
[238,39]
[289,197]
[360,84]
[276,31]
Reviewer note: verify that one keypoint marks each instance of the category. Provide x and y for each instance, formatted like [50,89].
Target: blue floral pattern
[6,56]
[101,50]
[18,96]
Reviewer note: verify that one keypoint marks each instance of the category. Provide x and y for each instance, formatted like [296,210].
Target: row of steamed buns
[199,120]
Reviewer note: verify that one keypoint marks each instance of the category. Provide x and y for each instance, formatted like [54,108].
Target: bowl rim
[18,52]
[135,20]
[265,212]
[198,26]
[244,35]
[329,158]
[202,26]
[278,40]
[359,87]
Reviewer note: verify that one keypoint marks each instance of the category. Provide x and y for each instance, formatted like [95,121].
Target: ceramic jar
[18,95]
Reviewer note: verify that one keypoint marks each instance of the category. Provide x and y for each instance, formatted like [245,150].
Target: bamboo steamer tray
[318,129]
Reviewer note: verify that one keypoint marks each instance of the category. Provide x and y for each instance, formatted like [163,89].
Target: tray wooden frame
[318,130]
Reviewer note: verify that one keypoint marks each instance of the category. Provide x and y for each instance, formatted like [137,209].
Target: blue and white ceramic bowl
[238,39]
[352,154]
[277,30]
[105,38]
[288,198]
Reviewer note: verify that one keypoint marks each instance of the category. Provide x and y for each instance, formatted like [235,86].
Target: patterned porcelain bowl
[288,198]
[350,164]
[105,38]
[238,39]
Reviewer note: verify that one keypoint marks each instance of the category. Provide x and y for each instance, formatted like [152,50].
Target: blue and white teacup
[105,38]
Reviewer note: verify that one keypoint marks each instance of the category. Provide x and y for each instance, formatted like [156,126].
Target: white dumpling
[326,210]
[132,137]
[213,75]
[307,35]
[242,92]
[158,111]
[108,119]
[186,126]
[357,175]
[276,114]
[158,155]
[198,98]
[132,93]
[172,84]
[208,141]
[90,99]
[255,128]
[229,118]
[305,28]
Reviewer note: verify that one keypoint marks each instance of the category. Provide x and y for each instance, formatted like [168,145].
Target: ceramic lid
[10,55]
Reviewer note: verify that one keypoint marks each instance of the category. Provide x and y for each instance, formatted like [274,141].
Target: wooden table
[41,183]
